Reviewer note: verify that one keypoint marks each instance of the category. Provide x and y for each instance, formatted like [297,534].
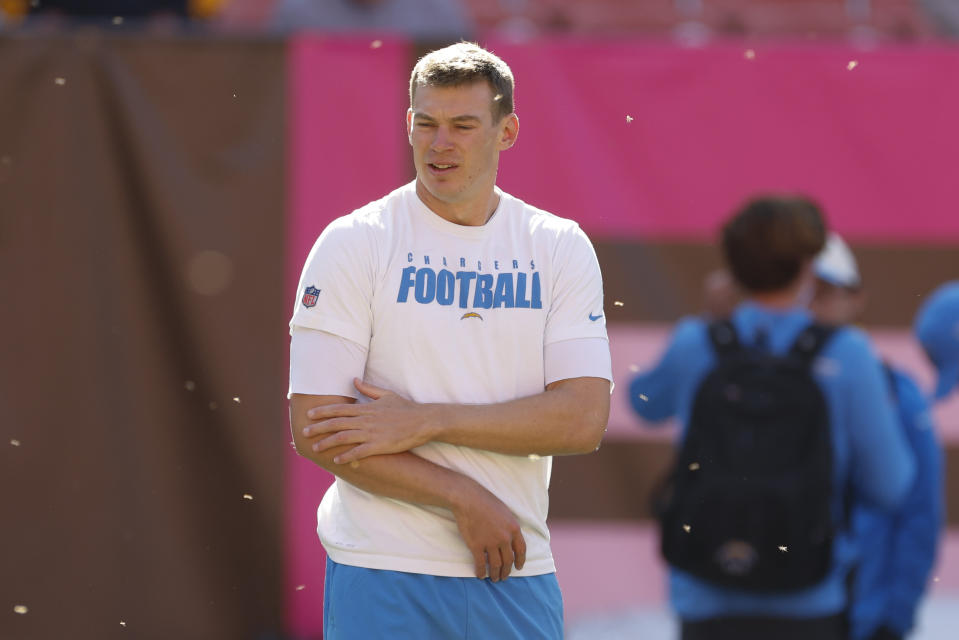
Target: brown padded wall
[660,281]
[141,244]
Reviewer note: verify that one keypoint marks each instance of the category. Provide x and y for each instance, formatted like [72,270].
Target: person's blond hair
[465,63]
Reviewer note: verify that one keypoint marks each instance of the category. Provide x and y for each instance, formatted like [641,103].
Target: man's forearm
[565,419]
[569,417]
[402,476]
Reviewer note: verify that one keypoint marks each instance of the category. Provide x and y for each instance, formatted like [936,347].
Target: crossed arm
[569,417]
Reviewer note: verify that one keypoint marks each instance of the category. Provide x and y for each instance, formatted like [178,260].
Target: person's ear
[807,275]
[860,300]
[508,132]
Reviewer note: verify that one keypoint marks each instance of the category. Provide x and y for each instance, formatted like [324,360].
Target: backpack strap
[807,346]
[810,342]
[722,335]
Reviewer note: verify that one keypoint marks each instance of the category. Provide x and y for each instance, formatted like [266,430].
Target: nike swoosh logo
[595,318]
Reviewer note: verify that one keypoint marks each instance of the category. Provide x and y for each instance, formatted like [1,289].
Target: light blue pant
[369,604]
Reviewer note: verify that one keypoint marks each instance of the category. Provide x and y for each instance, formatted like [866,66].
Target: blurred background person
[896,549]
[112,13]
[721,294]
[937,328]
[944,14]
[430,19]
[839,297]
[97,8]
[769,246]
[107,10]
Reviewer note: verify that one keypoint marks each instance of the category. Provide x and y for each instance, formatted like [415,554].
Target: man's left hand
[388,424]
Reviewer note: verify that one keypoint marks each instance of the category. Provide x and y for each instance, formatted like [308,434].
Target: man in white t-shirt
[447,340]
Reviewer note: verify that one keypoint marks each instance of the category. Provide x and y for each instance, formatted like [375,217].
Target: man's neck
[779,300]
[797,294]
[472,213]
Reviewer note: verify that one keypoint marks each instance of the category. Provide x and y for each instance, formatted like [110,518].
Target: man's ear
[861,300]
[409,125]
[509,131]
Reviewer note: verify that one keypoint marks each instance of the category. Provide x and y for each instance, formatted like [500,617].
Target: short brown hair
[769,238]
[465,63]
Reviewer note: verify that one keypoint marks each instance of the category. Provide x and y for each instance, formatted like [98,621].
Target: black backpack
[748,504]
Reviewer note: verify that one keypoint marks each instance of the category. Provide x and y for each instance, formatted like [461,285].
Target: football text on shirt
[505,289]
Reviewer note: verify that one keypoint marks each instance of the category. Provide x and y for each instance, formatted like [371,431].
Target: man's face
[836,305]
[455,142]
[721,294]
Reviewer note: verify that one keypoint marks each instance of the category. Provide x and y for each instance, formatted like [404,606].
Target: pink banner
[654,140]
[347,145]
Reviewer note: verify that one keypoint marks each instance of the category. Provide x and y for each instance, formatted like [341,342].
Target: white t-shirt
[457,314]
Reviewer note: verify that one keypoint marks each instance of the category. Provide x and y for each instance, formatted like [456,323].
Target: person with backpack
[896,550]
[783,424]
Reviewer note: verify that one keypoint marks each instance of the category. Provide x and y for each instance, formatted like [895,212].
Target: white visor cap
[836,265]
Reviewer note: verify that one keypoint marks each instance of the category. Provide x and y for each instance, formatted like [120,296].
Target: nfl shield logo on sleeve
[310,297]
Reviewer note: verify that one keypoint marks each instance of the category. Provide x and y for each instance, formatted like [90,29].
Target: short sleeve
[336,287]
[576,309]
[322,364]
[581,358]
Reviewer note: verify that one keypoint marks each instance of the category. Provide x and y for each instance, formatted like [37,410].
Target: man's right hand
[491,532]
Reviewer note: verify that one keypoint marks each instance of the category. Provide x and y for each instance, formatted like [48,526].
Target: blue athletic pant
[368,604]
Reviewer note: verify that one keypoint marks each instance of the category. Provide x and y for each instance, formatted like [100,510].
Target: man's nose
[441,139]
